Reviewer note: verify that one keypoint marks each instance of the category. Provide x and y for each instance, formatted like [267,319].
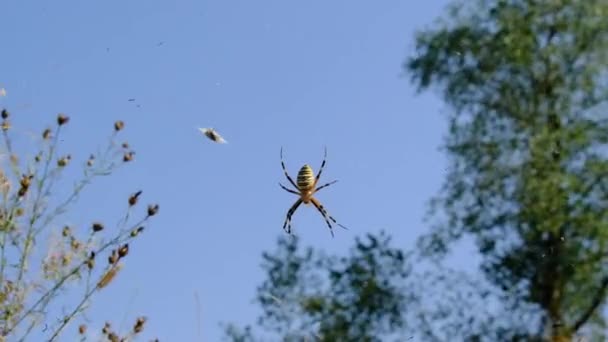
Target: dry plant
[79,261]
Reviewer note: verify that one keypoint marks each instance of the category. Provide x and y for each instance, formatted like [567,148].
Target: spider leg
[326,215]
[289,190]
[285,171]
[289,214]
[325,185]
[322,166]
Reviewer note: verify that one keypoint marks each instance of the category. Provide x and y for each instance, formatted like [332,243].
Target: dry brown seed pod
[97,227]
[136,232]
[123,251]
[82,329]
[46,134]
[139,325]
[119,125]
[113,258]
[62,119]
[213,135]
[107,278]
[128,156]
[152,209]
[133,198]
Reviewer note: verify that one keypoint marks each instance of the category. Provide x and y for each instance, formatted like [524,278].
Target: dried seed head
[90,263]
[6,125]
[19,212]
[152,209]
[66,231]
[106,328]
[25,182]
[97,227]
[113,258]
[133,198]
[123,251]
[128,156]
[139,325]
[119,125]
[63,161]
[113,337]
[62,119]
[46,134]
[82,329]
[107,278]
[75,244]
[136,232]
[65,259]
[5,114]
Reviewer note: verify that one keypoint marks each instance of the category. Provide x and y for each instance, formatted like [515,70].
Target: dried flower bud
[107,278]
[113,337]
[123,251]
[63,161]
[66,231]
[139,325]
[46,134]
[133,198]
[65,259]
[97,227]
[152,209]
[5,114]
[62,119]
[128,156]
[82,329]
[136,232]
[119,125]
[75,244]
[113,258]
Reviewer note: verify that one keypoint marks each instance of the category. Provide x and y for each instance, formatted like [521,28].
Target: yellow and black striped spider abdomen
[306,178]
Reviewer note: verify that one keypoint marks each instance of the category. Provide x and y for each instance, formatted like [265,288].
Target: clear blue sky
[265,74]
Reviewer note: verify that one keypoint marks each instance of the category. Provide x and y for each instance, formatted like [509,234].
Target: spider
[306,189]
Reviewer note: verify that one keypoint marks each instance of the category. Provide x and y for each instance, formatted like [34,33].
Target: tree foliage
[37,281]
[528,146]
[309,295]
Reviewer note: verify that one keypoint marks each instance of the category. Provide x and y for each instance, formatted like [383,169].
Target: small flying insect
[213,135]
[306,187]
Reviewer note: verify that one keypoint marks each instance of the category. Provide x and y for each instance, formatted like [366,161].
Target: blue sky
[265,74]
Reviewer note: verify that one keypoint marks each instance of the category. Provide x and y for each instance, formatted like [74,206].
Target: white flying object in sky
[213,135]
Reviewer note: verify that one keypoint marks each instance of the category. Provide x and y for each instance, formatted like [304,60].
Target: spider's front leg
[285,171]
[322,166]
[289,214]
[289,190]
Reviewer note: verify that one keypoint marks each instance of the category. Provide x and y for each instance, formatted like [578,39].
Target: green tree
[312,296]
[38,281]
[527,141]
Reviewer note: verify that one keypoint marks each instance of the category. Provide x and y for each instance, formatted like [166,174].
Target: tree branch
[595,303]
